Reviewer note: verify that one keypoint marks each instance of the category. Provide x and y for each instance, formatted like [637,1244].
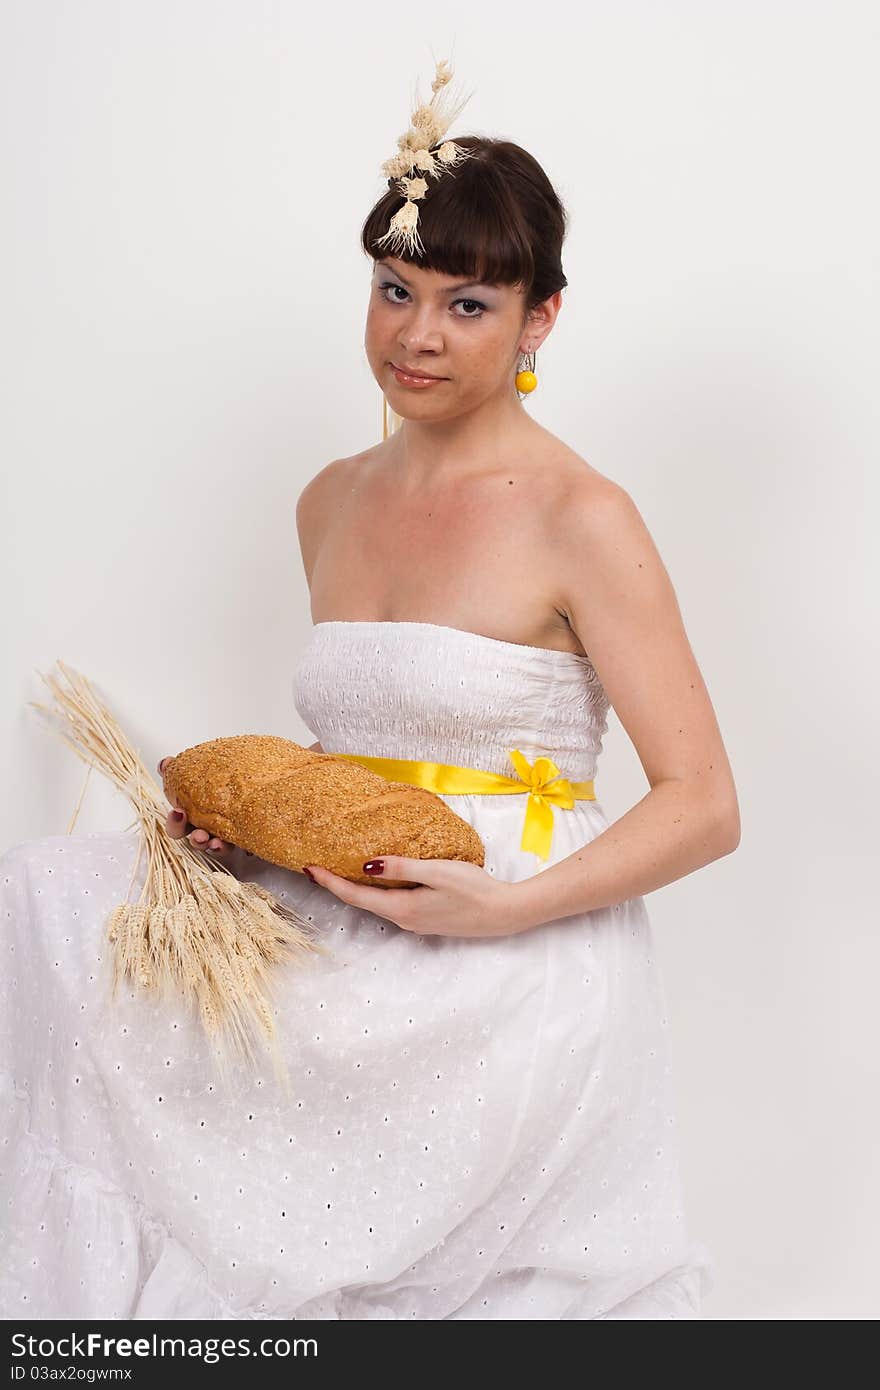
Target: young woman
[483,1125]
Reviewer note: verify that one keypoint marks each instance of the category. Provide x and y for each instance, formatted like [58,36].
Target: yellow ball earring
[525,379]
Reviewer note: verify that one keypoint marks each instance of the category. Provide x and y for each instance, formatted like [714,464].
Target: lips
[411,371]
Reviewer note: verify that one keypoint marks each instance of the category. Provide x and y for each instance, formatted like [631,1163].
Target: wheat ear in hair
[429,123]
[428,126]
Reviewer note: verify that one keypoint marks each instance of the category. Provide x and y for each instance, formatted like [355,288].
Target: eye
[481,307]
[389,286]
[476,302]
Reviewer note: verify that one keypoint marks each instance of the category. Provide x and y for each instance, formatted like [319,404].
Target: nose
[420,350]
[420,332]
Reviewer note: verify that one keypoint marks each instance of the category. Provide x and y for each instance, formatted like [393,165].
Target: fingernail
[374,866]
[309,874]
[177,815]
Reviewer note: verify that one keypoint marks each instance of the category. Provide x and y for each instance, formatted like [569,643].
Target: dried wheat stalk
[196,931]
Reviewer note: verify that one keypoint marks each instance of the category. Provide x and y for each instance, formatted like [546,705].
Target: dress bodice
[440,694]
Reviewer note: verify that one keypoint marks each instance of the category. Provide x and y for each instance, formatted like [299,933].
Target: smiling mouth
[413,376]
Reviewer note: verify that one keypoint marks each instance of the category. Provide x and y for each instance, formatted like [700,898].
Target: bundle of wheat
[196,931]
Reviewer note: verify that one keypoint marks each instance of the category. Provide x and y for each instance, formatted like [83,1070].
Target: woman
[482,1126]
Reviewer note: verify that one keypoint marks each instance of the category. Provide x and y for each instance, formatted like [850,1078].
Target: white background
[182,336]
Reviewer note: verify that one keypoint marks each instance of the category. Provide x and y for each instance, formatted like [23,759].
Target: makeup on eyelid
[463,299]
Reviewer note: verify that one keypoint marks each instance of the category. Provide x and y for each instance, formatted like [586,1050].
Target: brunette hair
[494,217]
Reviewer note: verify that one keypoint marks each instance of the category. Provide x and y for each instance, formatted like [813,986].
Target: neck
[440,452]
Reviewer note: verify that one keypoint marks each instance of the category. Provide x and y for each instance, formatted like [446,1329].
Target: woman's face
[470,335]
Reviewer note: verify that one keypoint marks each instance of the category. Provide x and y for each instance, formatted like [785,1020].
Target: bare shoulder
[620,602]
[614,578]
[592,507]
[335,480]
[322,487]
[319,502]
[561,472]
[574,502]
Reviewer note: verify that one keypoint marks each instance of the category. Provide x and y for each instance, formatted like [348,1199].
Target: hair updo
[494,217]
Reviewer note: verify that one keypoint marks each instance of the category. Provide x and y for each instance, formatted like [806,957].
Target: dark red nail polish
[309,874]
[374,866]
[177,815]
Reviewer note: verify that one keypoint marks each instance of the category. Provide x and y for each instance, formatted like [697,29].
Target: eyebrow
[450,289]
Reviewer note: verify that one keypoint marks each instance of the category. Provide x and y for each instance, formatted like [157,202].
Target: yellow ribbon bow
[543,782]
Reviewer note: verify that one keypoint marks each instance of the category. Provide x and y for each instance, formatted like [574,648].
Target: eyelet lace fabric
[476,1128]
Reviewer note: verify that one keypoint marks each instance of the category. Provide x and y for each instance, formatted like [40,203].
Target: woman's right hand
[177,826]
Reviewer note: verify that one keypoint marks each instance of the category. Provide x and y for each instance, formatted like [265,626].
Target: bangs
[470,225]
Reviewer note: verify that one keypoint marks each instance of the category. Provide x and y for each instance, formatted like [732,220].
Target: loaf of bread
[292,806]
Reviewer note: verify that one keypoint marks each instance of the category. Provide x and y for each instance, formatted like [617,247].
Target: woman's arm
[621,603]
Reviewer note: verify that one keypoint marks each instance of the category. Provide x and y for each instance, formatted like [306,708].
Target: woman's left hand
[455,899]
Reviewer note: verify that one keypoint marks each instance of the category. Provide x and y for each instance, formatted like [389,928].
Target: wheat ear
[197,931]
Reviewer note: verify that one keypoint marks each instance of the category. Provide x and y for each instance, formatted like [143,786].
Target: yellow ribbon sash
[545,786]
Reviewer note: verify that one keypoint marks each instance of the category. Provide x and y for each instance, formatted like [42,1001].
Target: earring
[525,378]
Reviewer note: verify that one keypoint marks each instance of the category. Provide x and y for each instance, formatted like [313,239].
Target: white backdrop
[183,307]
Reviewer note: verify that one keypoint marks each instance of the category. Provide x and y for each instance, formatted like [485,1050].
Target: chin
[405,411]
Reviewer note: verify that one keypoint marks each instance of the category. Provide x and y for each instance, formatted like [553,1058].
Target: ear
[542,318]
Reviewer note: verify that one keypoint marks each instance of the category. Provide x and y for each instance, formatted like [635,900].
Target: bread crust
[292,806]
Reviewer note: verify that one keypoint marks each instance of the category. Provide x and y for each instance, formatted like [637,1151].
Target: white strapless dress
[477,1128]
